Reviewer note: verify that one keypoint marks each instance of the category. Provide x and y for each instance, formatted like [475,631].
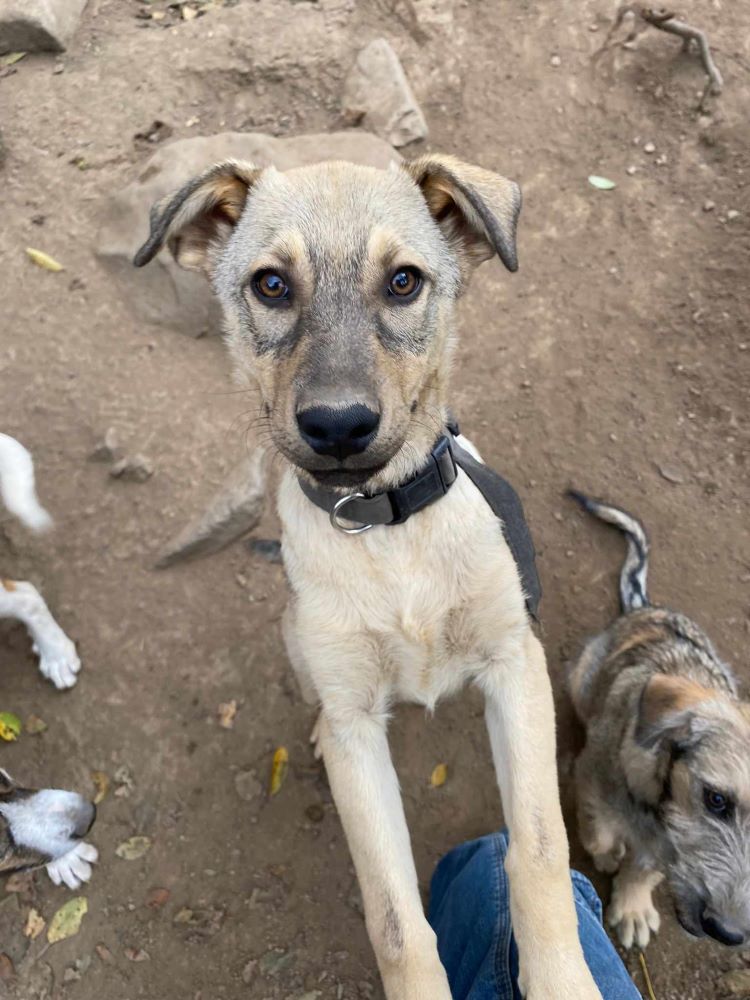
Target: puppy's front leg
[365,788]
[521,722]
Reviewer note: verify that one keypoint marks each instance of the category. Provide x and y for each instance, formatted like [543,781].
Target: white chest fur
[427,598]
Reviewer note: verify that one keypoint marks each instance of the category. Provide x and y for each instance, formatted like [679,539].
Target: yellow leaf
[279,767]
[44,260]
[10,727]
[439,775]
[11,57]
[67,921]
[134,848]
[35,924]
[101,784]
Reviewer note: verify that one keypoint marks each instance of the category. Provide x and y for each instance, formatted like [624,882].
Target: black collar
[432,482]
[391,506]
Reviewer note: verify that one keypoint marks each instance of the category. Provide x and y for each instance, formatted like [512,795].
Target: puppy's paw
[58,661]
[633,917]
[73,868]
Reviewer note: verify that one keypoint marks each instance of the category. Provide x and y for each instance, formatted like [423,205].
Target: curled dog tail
[633,592]
[17,485]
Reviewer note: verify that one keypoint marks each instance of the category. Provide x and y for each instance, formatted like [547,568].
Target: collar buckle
[336,512]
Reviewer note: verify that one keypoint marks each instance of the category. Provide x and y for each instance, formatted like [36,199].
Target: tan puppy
[664,779]
[338,285]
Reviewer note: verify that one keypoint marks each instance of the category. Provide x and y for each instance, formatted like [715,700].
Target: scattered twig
[666,20]
[646,976]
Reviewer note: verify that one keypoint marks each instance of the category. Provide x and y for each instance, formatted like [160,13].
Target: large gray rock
[235,509]
[378,95]
[35,25]
[162,292]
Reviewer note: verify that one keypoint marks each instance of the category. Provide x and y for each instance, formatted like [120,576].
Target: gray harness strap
[397,505]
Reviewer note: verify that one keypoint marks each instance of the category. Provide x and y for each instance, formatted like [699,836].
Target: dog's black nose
[723,935]
[85,816]
[339,431]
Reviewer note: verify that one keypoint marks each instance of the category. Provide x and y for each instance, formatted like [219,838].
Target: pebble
[670,474]
[709,206]
[732,214]
[631,170]
[555,61]
[107,450]
[136,469]
[649,148]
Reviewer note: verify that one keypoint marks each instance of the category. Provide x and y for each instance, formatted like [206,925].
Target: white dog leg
[365,788]
[521,722]
[58,660]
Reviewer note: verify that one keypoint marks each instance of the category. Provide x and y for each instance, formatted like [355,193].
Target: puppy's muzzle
[719,932]
[338,432]
[84,817]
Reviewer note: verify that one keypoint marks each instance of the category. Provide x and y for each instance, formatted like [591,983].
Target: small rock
[631,170]
[247,785]
[226,713]
[732,214]
[670,474]
[38,25]
[105,954]
[377,95]
[555,61]
[736,984]
[649,148]
[233,510]
[661,160]
[71,975]
[267,548]
[249,971]
[274,962]
[709,206]
[108,449]
[136,469]
[315,813]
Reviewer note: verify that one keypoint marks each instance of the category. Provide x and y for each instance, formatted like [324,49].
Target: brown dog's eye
[270,287]
[405,284]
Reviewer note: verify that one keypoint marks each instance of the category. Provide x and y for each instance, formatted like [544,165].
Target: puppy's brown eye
[405,284]
[270,287]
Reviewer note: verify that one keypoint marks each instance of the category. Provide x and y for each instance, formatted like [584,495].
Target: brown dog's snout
[338,431]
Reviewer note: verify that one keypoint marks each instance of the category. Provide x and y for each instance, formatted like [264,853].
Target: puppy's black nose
[723,935]
[85,816]
[340,431]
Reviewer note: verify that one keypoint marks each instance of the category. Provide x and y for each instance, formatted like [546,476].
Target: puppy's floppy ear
[198,220]
[476,209]
[668,710]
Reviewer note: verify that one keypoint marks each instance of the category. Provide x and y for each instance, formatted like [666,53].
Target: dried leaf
[101,784]
[226,712]
[35,725]
[279,768]
[20,882]
[7,969]
[10,727]
[647,976]
[601,183]
[157,898]
[134,848]
[183,916]
[35,924]
[439,775]
[137,955]
[105,954]
[44,260]
[11,58]
[67,921]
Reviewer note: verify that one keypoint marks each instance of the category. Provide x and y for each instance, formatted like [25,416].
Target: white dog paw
[59,662]
[633,917]
[73,868]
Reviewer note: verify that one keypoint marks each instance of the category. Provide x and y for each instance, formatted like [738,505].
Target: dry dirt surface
[616,360]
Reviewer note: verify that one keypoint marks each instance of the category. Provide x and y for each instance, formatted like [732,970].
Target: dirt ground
[617,359]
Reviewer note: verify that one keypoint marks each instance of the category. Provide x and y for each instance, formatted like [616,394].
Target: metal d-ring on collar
[337,507]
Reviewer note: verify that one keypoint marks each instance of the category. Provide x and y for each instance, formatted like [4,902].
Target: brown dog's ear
[197,220]
[476,209]
[668,709]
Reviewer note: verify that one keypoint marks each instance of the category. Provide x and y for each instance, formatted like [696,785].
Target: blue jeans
[470,913]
